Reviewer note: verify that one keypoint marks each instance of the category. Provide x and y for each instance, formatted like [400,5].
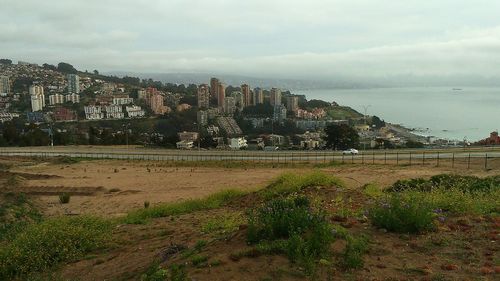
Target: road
[264,156]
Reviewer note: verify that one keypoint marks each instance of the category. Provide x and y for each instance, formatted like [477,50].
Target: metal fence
[456,159]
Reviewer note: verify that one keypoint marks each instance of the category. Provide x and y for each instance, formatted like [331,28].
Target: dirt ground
[114,187]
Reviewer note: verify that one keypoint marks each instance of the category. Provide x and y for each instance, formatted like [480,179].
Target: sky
[317,39]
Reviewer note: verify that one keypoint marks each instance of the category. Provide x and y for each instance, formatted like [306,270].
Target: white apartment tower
[37,98]
[73,84]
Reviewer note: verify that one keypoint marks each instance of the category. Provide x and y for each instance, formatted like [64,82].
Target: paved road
[274,156]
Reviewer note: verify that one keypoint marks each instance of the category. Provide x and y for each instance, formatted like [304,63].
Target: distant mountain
[235,80]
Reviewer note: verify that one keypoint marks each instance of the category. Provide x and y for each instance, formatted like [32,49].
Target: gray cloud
[298,39]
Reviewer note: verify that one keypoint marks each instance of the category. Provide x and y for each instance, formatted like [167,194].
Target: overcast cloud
[276,38]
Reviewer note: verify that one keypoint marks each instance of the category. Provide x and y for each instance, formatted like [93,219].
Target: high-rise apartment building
[258,97]
[4,85]
[221,94]
[292,103]
[247,96]
[238,99]
[275,97]
[74,98]
[203,96]
[37,98]
[73,83]
[229,105]
[214,88]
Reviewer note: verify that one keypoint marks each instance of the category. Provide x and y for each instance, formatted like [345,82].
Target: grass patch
[352,257]
[223,224]
[156,272]
[16,213]
[289,183]
[290,226]
[403,214]
[454,193]
[213,201]
[43,245]
[448,181]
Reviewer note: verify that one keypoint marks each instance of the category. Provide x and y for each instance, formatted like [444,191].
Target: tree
[96,72]
[339,137]
[5,61]
[377,122]
[49,66]
[66,68]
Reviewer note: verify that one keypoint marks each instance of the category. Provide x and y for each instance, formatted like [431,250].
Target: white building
[114,112]
[4,85]
[56,99]
[37,98]
[73,83]
[122,100]
[93,112]
[134,111]
[238,143]
[74,98]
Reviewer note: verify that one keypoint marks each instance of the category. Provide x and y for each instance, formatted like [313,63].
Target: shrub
[290,226]
[146,204]
[397,213]
[64,198]
[199,260]
[352,257]
[43,245]
[163,210]
[223,224]
[279,218]
[289,183]
[448,181]
[155,273]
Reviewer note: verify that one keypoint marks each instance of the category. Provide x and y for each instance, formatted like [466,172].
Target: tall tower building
[292,103]
[37,98]
[275,97]
[73,84]
[4,85]
[221,94]
[238,99]
[214,88]
[203,96]
[247,97]
[258,96]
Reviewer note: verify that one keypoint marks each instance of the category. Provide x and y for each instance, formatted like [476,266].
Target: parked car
[351,151]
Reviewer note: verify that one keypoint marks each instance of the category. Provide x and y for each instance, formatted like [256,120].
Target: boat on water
[457,89]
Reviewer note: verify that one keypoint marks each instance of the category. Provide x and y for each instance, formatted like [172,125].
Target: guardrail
[467,160]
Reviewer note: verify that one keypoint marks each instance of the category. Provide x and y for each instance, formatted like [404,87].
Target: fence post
[486,161]
[373,157]
[397,158]
[342,158]
[362,158]
[468,162]
[453,160]
[410,159]
[385,157]
[437,160]
[423,158]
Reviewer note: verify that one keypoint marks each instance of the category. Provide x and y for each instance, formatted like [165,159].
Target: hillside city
[58,105]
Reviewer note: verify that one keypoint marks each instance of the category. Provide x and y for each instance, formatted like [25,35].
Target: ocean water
[470,113]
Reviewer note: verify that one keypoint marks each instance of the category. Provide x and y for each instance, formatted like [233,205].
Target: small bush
[352,256]
[199,260]
[64,198]
[146,204]
[157,273]
[43,245]
[163,210]
[412,214]
[279,218]
[289,183]
[290,226]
